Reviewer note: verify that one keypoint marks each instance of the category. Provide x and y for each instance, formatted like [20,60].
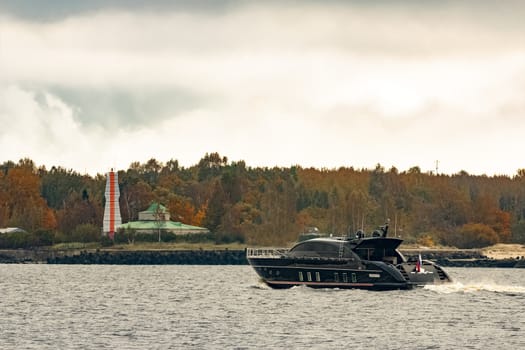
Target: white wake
[474,287]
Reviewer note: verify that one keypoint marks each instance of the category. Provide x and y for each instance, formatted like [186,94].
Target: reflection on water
[202,307]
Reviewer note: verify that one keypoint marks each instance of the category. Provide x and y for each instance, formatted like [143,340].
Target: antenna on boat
[395,224]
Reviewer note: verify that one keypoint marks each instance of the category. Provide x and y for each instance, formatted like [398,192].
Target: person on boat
[384,229]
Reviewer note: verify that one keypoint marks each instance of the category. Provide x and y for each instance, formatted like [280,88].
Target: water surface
[215,307]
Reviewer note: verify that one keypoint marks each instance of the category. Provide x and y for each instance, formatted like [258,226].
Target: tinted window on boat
[316,248]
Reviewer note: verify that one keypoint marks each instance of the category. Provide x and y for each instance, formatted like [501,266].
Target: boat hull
[345,274]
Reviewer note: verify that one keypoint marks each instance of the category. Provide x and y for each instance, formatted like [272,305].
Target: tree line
[268,206]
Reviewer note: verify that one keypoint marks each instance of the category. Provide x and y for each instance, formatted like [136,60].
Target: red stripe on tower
[112,218]
[111,202]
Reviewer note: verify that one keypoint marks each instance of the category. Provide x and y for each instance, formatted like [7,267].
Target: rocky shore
[111,257]
[174,257]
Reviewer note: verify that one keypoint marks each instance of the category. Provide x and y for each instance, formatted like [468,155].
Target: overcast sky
[91,85]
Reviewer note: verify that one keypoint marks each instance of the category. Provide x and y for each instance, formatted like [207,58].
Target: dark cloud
[51,10]
[129,109]
[455,24]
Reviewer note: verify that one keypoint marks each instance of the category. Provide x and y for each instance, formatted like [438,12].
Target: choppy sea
[227,307]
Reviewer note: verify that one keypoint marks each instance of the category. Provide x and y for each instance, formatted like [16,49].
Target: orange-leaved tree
[24,206]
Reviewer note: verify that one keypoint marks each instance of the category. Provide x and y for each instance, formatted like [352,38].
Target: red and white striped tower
[112,209]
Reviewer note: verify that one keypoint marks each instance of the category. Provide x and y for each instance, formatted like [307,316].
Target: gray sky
[99,84]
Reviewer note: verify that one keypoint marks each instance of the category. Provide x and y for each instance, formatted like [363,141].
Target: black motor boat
[372,262]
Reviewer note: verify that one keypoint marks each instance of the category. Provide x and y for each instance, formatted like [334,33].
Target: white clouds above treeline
[323,84]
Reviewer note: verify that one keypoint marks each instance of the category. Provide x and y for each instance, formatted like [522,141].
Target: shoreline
[443,257]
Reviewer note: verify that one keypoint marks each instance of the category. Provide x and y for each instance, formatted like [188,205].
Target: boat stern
[424,272]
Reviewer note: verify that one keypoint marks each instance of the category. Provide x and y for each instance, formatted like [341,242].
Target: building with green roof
[156,218]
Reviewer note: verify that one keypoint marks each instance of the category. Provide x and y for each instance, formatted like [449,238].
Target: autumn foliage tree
[267,206]
[22,203]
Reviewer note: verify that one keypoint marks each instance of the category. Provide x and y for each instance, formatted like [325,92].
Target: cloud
[39,126]
[317,84]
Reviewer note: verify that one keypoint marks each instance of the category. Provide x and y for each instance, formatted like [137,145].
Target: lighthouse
[112,209]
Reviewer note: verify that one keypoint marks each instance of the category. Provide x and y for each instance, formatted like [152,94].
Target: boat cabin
[370,248]
[379,249]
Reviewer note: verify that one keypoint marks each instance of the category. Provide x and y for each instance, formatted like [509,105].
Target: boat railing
[265,252]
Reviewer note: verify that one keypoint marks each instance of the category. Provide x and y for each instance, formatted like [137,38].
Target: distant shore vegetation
[262,206]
